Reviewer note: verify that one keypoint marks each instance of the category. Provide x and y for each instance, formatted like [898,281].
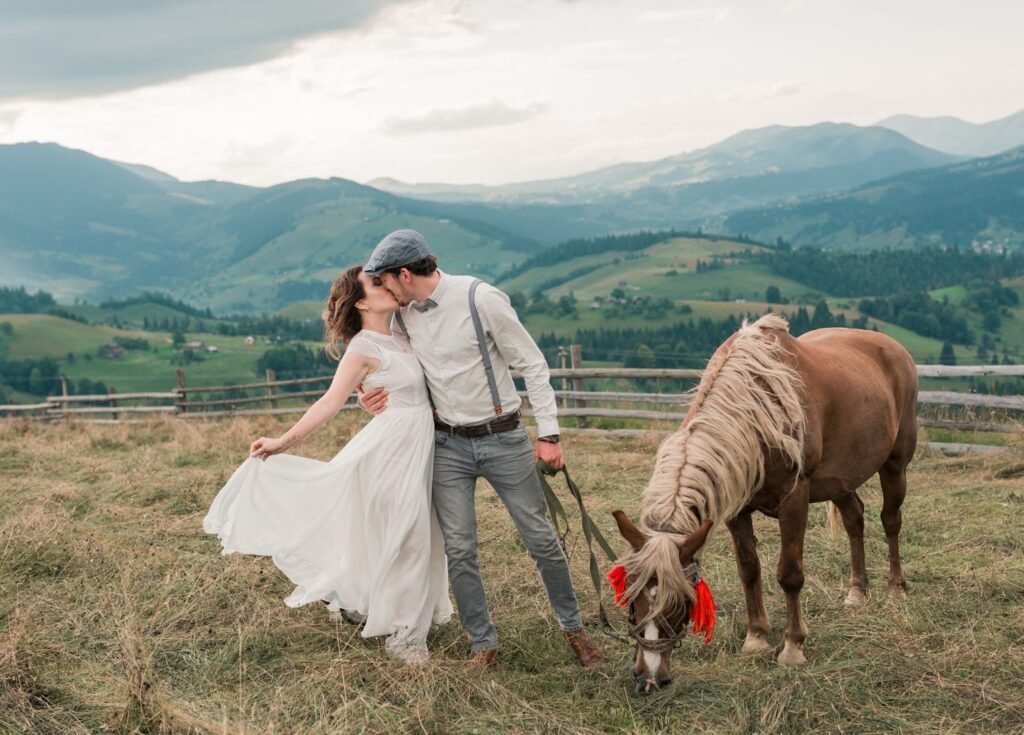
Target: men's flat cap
[397,249]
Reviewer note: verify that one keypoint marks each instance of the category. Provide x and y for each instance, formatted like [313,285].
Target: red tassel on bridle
[703,614]
[617,578]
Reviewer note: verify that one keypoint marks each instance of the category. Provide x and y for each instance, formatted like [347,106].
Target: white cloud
[699,14]
[9,116]
[509,90]
[481,115]
[773,91]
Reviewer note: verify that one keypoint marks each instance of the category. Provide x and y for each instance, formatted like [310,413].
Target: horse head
[660,598]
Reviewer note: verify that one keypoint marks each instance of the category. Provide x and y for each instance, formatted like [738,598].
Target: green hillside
[83,227]
[42,335]
[673,296]
[330,238]
[667,269]
[977,200]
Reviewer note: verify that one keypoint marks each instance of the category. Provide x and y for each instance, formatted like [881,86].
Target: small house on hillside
[112,350]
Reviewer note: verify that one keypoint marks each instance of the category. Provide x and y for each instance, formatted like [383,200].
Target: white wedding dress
[358,531]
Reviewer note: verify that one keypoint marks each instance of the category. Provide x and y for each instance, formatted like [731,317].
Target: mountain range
[755,166]
[976,201]
[82,226]
[959,137]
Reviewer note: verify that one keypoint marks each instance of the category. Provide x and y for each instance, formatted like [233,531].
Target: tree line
[686,344]
[886,272]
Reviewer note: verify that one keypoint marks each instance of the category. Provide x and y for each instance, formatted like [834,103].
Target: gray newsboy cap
[399,248]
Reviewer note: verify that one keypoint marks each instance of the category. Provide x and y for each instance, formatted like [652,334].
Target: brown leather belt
[505,423]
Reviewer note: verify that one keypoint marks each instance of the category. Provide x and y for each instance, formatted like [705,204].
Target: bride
[359,531]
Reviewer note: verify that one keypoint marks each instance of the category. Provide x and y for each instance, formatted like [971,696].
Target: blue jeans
[506,461]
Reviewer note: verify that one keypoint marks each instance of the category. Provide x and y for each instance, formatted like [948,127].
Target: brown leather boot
[483,659]
[579,641]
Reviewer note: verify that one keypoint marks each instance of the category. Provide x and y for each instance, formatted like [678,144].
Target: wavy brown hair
[341,318]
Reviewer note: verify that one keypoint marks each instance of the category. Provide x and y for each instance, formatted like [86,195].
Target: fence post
[271,388]
[562,363]
[576,362]
[181,402]
[113,403]
[64,394]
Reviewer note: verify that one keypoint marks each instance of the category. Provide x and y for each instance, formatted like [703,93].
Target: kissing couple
[378,532]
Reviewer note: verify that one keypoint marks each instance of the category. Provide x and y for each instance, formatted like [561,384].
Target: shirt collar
[439,290]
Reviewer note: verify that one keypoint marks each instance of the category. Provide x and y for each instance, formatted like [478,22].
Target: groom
[478,429]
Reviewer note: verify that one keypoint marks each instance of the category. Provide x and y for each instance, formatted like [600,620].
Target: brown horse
[775,424]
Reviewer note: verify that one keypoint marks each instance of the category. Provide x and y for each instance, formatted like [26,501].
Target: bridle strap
[592,534]
[674,638]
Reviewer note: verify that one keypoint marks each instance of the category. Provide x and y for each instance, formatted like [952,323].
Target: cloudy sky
[487,91]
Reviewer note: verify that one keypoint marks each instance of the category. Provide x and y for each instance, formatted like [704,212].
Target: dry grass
[118,614]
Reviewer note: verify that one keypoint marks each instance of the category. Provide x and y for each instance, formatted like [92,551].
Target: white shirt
[445,342]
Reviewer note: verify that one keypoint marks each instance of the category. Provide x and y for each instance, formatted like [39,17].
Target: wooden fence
[281,397]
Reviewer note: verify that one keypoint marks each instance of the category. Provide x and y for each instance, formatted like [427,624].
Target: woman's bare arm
[352,370]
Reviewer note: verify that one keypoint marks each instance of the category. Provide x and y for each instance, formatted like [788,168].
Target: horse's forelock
[658,559]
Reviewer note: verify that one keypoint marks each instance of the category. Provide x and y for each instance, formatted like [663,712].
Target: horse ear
[694,542]
[629,532]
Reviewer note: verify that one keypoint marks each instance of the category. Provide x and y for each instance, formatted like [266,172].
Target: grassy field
[43,335]
[649,275]
[118,614]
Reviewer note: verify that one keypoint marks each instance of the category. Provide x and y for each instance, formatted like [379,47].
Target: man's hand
[373,401]
[550,453]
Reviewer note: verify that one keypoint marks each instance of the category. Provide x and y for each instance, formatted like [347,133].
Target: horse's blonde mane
[748,398]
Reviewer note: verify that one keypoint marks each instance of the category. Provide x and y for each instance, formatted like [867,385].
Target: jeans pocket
[514,438]
[441,438]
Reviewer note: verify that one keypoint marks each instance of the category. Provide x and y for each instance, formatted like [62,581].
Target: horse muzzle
[645,684]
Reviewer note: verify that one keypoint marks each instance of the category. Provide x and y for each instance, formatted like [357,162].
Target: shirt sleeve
[521,353]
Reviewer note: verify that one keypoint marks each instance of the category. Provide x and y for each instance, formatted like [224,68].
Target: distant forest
[683,344]
[886,272]
[20,301]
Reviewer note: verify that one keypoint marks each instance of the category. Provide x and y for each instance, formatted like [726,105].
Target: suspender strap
[401,324]
[484,354]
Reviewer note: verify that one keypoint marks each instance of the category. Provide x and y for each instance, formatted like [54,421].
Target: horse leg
[852,509]
[744,544]
[893,477]
[793,526]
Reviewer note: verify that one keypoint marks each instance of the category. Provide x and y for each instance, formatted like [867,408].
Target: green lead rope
[590,531]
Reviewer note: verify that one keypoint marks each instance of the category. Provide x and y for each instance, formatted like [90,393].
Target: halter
[674,638]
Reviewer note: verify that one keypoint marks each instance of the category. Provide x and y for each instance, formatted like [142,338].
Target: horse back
[861,389]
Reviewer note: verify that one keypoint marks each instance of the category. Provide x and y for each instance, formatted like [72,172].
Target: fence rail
[192,402]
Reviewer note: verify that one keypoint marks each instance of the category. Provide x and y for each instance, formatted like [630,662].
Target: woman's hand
[265,446]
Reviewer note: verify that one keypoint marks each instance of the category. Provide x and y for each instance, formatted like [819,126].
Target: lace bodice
[399,373]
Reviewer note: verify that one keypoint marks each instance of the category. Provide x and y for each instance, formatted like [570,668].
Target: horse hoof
[754,645]
[855,598]
[897,591]
[792,656]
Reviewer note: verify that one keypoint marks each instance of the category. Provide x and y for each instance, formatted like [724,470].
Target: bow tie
[424,305]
